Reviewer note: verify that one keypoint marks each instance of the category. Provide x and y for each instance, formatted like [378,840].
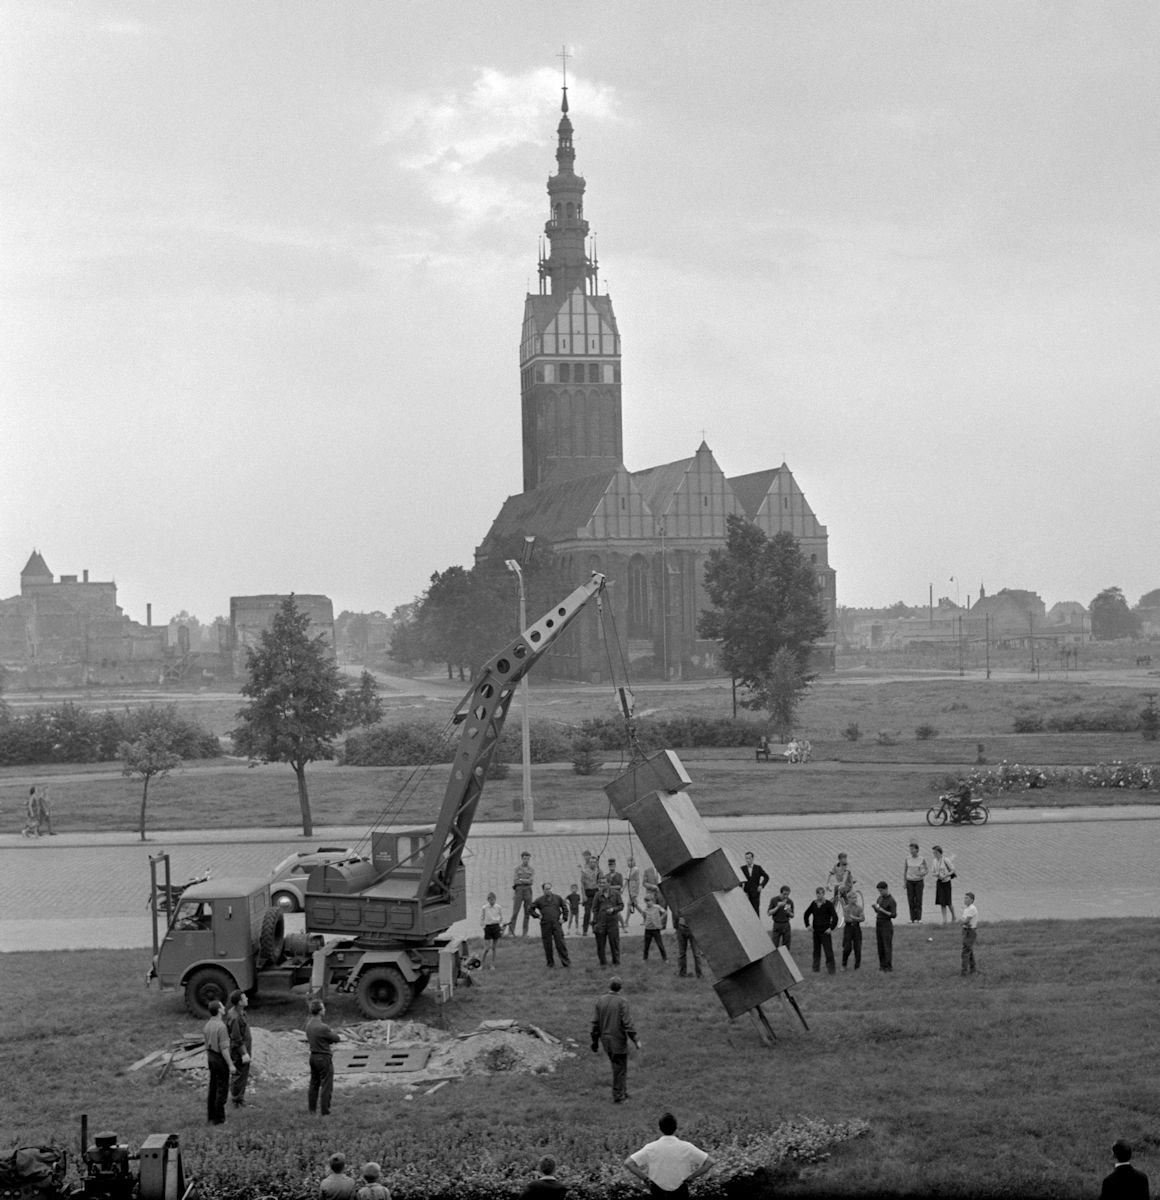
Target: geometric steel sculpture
[700,883]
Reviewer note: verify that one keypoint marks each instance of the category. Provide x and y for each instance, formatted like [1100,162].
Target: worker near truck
[217,1054]
[241,1044]
[321,1038]
[522,879]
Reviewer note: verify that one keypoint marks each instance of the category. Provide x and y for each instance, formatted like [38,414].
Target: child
[491,918]
[633,905]
[781,910]
[372,1189]
[654,921]
[574,899]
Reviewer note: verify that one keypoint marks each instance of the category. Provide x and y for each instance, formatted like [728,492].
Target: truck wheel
[382,993]
[272,938]
[286,901]
[204,985]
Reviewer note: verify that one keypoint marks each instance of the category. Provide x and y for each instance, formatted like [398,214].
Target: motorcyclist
[962,801]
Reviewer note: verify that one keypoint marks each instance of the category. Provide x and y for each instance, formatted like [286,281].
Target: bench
[772,752]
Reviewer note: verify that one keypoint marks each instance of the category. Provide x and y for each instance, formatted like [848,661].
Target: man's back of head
[337,1163]
[1122,1151]
[614,984]
[668,1124]
[547,1165]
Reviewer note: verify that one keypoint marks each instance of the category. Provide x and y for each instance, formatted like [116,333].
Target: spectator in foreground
[1125,1182]
[372,1187]
[338,1185]
[668,1165]
[547,1186]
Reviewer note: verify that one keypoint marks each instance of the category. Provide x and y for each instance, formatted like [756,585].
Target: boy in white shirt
[970,920]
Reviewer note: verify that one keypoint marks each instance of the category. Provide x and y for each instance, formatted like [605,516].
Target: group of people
[38,813]
[839,905]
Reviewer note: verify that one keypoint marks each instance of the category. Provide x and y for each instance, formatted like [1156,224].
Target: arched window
[638,597]
[571,210]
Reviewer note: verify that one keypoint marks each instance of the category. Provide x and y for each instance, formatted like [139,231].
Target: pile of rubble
[280,1058]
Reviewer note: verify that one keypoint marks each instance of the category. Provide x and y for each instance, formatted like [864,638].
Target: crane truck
[377,927]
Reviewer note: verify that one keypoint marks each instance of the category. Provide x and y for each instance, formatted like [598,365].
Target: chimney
[149,615]
[86,574]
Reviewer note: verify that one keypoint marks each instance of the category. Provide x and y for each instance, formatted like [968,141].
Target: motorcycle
[950,808]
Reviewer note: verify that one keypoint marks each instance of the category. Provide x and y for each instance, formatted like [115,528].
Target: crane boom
[481,713]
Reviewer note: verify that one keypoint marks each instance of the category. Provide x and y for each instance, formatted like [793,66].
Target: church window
[593,372]
[704,501]
[813,558]
[556,212]
[785,502]
[571,210]
[616,373]
[638,597]
[565,372]
[623,503]
[539,374]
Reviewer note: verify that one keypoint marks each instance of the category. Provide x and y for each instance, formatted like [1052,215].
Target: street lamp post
[525,732]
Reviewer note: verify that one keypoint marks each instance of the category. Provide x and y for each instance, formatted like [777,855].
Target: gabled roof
[554,512]
[658,484]
[35,566]
[751,490]
[542,308]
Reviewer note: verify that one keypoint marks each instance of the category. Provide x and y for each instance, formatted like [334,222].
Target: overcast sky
[264,264]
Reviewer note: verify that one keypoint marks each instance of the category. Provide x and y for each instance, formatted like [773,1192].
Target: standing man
[321,1038]
[615,881]
[781,910]
[552,911]
[668,1165]
[970,921]
[755,878]
[885,910]
[853,914]
[1125,1182]
[217,1054]
[685,943]
[589,882]
[825,919]
[613,1029]
[606,924]
[241,1044]
[522,880]
[841,878]
[632,880]
[913,873]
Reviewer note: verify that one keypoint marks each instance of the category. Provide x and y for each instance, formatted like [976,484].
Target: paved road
[89,891]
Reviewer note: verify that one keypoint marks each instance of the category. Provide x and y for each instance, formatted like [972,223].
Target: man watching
[668,1165]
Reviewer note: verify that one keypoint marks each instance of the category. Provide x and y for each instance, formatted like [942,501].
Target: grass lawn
[1014,1082]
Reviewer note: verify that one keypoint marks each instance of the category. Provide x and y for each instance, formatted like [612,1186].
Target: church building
[650,531]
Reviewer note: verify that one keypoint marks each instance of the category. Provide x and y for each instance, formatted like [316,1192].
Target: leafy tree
[297,704]
[363,704]
[781,690]
[151,756]
[765,598]
[1150,599]
[1111,616]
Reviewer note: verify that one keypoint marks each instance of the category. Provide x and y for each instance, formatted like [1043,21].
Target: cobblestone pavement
[78,892]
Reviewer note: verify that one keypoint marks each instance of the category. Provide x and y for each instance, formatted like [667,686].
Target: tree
[297,703]
[1111,616]
[765,599]
[152,756]
[363,704]
[1149,599]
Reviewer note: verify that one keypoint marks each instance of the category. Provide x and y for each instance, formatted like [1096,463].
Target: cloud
[460,143]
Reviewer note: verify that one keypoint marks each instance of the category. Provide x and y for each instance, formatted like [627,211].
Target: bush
[925,732]
[852,732]
[71,734]
[586,756]
[1032,724]
[1108,721]
[1150,720]
[1014,777]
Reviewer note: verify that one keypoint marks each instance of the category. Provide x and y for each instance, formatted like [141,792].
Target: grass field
[845,776]
[1013,1082]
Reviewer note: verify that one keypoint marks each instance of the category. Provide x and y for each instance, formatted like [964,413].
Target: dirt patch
[494,1047]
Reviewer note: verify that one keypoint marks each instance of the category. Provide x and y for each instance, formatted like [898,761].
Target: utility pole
[525,732]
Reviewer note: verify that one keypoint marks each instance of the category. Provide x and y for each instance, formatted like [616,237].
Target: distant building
[650,531]
[250,615]
[70,632]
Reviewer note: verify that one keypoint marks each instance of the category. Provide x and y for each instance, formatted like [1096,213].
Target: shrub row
[745,1167]
[677,733]
[1108,721]
[70,734]
[1016,777]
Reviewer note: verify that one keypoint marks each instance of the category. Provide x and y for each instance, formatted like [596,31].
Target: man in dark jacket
[1125,1182]
[754,877]
[606,924]
[241,1044]
[552,912]
[546,1186]
[321,1038]
[822,917]
[613,1029]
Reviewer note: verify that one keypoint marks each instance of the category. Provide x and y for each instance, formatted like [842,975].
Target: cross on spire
[563,56]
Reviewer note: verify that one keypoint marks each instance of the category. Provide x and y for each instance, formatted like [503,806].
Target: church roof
[553,512]
[658,484]
[751,490]
[35,565]
[541,309]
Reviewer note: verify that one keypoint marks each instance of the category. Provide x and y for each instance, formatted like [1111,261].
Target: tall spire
[567,265]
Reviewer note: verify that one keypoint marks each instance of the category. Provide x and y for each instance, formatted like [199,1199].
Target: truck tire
[204,985]
[382,993]
[272,938]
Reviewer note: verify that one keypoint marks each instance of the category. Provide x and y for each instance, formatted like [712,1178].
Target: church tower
[569,347]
